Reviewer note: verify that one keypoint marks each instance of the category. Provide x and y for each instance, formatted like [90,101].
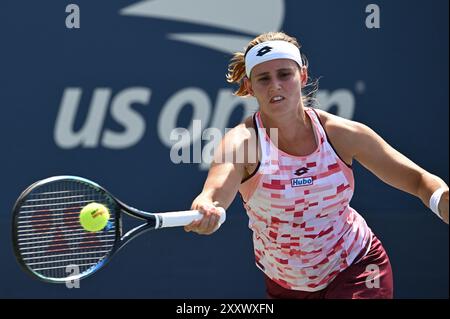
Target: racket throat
[132,234]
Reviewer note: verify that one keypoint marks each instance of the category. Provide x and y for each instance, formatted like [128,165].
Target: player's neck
[291,125]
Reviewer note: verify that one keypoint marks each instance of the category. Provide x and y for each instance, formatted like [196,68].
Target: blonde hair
[236,68]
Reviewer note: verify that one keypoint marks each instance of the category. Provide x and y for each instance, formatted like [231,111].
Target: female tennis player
[308,240]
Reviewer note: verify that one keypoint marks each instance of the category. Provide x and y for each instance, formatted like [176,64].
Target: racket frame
[152,221]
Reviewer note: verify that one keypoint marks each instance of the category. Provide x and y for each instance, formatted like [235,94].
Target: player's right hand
[209,223]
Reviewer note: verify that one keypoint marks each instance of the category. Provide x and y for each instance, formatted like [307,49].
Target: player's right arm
[228,169]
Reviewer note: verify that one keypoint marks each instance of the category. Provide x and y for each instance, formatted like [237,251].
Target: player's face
[277,83]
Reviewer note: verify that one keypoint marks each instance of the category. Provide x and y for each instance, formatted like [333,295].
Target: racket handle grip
[183,218]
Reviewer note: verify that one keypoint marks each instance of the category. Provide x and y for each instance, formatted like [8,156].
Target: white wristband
[434,200]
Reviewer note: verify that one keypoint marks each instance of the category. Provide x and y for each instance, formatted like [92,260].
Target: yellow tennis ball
[94,217]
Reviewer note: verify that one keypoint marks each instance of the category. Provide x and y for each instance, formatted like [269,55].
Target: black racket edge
[15,211]
[152,222]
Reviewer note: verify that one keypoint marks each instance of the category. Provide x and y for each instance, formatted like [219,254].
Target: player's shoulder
[242,132]
[241,141]
[338,126]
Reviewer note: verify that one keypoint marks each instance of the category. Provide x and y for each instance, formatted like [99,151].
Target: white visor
[271,50]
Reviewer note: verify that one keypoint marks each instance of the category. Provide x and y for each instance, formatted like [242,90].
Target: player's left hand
[443,207]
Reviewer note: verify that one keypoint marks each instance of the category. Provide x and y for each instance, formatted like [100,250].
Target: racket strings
[49,235]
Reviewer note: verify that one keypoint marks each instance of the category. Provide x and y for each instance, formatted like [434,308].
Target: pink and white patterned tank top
[304,231]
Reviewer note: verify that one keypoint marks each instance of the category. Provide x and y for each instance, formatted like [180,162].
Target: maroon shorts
[369,277]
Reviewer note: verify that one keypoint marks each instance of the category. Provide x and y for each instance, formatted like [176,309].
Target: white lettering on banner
[343,99]
[131,120]
[167,122]
[93,134]
[225,105]
[89,135]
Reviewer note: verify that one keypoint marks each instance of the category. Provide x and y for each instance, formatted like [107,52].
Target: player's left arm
[358,141]
[394,168]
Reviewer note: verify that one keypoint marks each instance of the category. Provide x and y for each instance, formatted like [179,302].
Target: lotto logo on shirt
[305,181]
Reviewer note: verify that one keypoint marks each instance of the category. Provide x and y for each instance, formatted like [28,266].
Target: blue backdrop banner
[96,88]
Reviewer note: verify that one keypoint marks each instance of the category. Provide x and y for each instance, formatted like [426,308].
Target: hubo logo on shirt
[239,22]
[304,181]
[301,181]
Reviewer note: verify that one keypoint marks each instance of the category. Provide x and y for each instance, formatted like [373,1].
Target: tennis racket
[49,240]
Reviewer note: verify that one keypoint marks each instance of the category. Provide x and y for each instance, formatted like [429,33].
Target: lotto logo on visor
[271,50]
[264,50]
